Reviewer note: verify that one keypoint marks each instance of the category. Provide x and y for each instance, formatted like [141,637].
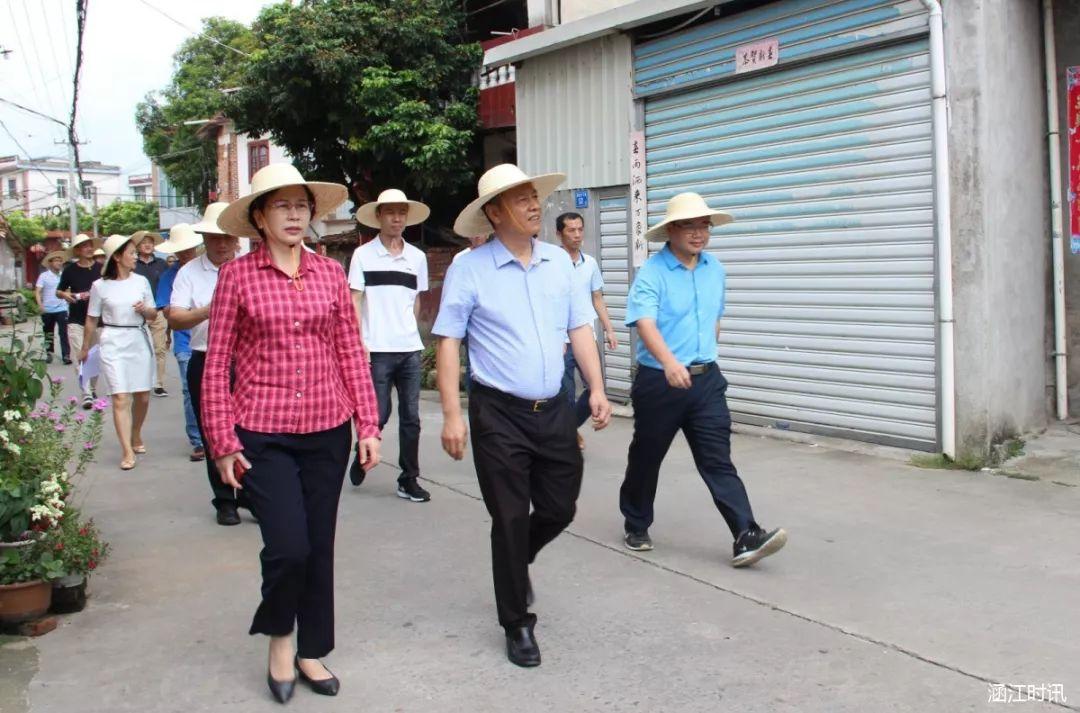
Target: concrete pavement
[901,589]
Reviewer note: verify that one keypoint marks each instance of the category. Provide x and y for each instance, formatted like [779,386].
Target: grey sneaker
[755,544]
[638,541]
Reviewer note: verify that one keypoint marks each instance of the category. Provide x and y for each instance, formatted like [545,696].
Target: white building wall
[573,113]
[571,10]
[41,186]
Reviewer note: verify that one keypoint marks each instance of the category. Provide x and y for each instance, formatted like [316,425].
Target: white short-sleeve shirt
[194,288]
[391,284]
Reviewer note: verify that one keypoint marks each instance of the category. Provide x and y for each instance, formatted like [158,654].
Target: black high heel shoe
[282,691]
[326,687]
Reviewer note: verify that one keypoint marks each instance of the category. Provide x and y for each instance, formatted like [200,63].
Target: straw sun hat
[500,179]
[209,222]
[367,214]
[115,242]
[181,237]
[234,220]
[62,254]
[686,206]
[82,238]
[138,235]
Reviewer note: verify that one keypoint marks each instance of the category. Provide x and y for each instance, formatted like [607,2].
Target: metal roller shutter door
[829,325]
[615,269]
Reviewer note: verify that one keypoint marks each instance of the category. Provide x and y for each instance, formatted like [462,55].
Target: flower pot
[24,601]
[69,594]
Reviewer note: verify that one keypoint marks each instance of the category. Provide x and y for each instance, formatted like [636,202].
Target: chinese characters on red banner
[1072,137]
[639,209]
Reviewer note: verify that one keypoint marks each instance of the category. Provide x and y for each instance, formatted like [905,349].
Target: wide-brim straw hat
[368,213]
[234,220]
[99,253]
[500,179]
[115,242]
[62,254]
[686,206]
[138,236]
[181,237]
[209,222]
[82,238]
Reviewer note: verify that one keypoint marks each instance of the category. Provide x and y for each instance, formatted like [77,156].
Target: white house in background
[39,186]
[240,155]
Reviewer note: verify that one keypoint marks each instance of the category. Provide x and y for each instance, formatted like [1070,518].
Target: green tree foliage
[124,218]
[26,230]
[202,70]
[60,219]
[370,93]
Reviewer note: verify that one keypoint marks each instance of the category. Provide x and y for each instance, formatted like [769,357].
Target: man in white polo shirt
[386,275]
[189,308]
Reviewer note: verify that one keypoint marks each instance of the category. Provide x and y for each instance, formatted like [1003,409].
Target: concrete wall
[1067,31]
[1000,218]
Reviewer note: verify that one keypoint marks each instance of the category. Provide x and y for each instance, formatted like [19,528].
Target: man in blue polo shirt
[514,298]
[676,303]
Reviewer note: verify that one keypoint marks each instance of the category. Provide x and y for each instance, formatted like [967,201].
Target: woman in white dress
[124,304]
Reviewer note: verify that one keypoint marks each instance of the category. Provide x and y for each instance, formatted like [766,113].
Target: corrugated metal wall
[615,268]
[830,323]
[803,27]
[573,113]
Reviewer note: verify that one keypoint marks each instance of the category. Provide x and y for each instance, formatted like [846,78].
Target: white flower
[12,415]
[14,448]
[26,427]
[3,435]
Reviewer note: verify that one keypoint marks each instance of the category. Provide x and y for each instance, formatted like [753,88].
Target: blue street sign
[581,198]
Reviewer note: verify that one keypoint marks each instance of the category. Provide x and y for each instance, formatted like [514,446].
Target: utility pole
[73,210]
[96,234]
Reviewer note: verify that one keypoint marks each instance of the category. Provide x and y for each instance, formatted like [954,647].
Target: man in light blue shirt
[570,227]
[54,311]
[676,303]
[514,299]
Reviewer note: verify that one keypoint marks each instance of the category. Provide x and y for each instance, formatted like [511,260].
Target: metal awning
[624,17]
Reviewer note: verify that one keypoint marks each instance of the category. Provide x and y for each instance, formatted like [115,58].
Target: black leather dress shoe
[521,647]
[282,691]
[227,515]
[356,473]
[326,687]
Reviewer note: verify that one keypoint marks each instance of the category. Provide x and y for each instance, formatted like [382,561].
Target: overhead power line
[20,147]
[193,31]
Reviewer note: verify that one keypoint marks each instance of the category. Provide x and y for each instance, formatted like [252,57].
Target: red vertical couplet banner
[1072,135]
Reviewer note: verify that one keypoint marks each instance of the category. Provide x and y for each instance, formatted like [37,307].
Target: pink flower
[89,445]
[60,428]
[72,400]
[101,404]
[58,379]
[80,417]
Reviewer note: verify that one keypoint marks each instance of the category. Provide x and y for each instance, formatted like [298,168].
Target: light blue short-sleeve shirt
[48,281]
[686,305]
[516,319]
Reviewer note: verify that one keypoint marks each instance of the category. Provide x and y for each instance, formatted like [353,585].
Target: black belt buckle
[698,369]
[539,405]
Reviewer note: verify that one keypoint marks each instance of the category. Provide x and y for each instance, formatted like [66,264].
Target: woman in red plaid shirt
[283,317]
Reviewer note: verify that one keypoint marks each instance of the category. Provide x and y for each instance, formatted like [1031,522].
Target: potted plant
[26,574]
[44,448]
[78,544]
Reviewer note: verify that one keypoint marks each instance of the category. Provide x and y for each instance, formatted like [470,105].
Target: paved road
[900,590]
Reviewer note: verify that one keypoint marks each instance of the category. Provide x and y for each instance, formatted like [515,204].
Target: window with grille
[258,156]
[61,188]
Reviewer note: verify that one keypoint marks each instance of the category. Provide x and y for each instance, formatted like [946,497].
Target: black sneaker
[66,360]
[755,544]
[638,541]
[160,391]
[357,473]
[87,401]
[48,358]
[411,490]
[227,515]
